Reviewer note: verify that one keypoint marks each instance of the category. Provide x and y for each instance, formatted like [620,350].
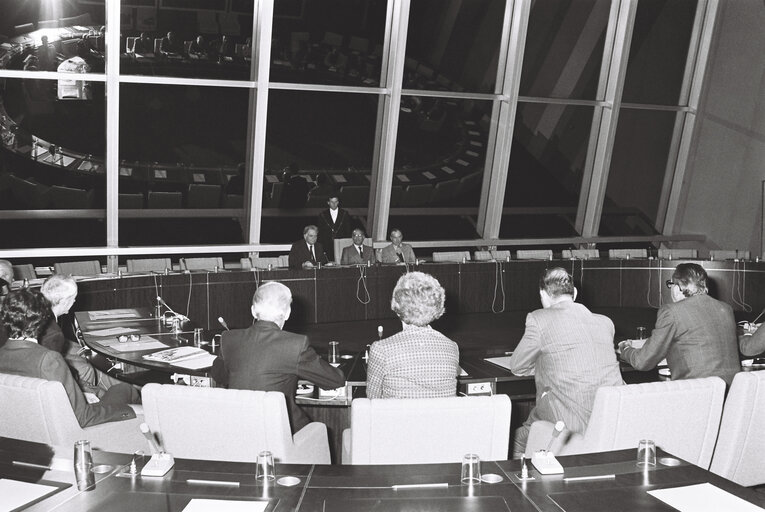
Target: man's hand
[622,345]
[307,264]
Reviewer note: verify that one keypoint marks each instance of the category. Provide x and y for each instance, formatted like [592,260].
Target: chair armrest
[540,435]
[311,445]
[137,409]
[118,436]
[346,457]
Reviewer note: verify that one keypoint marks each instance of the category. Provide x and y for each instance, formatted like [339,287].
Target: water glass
[197,336]
[646,453]
[641,333]
[264,471]
[471,469]
[334,352]
[83,466]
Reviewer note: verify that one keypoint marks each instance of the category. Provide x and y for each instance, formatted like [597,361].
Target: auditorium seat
[354,196]
[66,198]
[39,410]
[24,29]
[130,44]
[443,192]
[316,202]
[580,254]
[534,254]
[131,201]
[236,425]
[78,268]
[359,44]
[149,265]
[273,199]
[233,201]
[24,271]
[333,39]
[740,445]
[457,256]
[201,263]
[28,194]
[416,195]
[69,48]
[427,430]
[157,45]
[469,183]
[165,200]
[203,196]
[396,192]
[681,416]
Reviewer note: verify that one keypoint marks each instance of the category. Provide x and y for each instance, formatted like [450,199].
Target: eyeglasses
[124,338]
[670,283]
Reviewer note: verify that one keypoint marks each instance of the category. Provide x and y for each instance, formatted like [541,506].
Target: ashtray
[669,461]
[288,481]
[102,468]
[491,478]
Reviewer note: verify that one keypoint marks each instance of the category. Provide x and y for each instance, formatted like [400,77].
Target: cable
[501,282]
[188,301]
[738,287]
[363,280]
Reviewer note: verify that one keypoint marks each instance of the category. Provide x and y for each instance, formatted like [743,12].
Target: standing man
[307,253]
[695,333]
[334,222]
[263,357]
[357,253]
[397,251]
[570,352]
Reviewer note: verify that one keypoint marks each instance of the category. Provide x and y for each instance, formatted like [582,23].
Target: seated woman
[25,313]
[418,362]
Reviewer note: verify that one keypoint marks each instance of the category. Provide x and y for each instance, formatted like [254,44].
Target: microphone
[223,323]
[150,437]
[379,332]
[559,426]
[159,299]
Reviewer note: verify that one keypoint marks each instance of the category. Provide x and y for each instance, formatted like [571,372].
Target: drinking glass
[265,469]
[471,469]
[83,466]
[646,453]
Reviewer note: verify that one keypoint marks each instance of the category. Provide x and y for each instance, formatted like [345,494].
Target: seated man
[307,253]
[144,44]
[570,352]
[25,313]
[418,362]
[263,357]
[171,44]
[397,251]
[695,333]
[357,253]
[6,278]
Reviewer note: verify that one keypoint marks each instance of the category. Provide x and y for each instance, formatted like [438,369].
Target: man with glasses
[695,333]
[308,253]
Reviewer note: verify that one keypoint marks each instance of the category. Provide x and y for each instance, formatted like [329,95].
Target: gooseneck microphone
[161,301]
[146,431]
[559,426]
[223,323]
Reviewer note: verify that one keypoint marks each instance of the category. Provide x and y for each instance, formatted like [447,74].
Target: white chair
[78,268]
[427,430]
[212,263]
[534,254]
[342,243]
[230,425]
[625,254]
[39,410]
[149,265]
[457,256]
[678,254]
[580,254]
[681,416]
[738,454]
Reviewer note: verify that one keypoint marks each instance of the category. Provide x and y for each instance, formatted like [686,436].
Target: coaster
[491,478]
[288,481]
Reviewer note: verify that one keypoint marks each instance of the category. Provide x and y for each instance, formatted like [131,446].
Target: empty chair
[130,44]
[201,263]
[416,195]
[39,410]
[236,425]
[25,271]
[157,45]
[451,256]
[684,254]
[444,191]
[69,198]
[284,260]
[78,268]
[681,416]
[482,256]
[469,183]
[273,199]
[165,200]
[332,39]
[427,430]
[625,254]
[131,201]
[733,254]
[354,196]
[580,254]
[501,255]
[149,265]
[233,201]
[203,196]
[738,454]
[28,194]
[264,263]
[534,254]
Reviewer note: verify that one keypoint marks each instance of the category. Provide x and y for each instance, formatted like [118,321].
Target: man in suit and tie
[308,253]
[264,357]
[334,222]
[397,251]
[570,352]
[357,253]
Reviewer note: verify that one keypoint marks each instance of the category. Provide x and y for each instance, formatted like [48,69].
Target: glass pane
[316,144]
[453,45]
[545,173]
[194,39]
[336,42]
[439,163]
[638,165]
[658,51]
[53,35]
[180,150]
[564,48]
[51,158]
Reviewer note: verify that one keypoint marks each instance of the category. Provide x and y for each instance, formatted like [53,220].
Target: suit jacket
[697,335]
[351,255]
[329,230]
[27,358]
[753,345]
[266,358]
[388,254]
[299,254]
[570,352]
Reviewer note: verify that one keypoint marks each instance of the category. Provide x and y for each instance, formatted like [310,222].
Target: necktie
[313,255]
[361,253]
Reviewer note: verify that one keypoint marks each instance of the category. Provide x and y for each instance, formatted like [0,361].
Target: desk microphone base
[158,465]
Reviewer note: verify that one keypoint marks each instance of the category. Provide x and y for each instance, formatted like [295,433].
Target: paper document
[503,361]
[463,373]
[112,331]
[15,494]
[703,498]
[145,343]
[177,354]
[207,505]
[197,363]
[113,314]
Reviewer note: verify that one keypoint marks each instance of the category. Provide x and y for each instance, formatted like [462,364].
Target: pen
[593,477]
[30,465]
[418,486]
[227,483]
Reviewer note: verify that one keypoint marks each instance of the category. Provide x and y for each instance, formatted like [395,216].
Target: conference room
[168,154]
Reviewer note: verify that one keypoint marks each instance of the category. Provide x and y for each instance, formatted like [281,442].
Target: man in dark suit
[357,253]
[334,222]
[696,333]
[263,357]
[25,313]
[308,253]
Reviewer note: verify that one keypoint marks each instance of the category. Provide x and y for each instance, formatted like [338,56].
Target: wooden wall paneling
[340,295]
[481,285]
[230,296]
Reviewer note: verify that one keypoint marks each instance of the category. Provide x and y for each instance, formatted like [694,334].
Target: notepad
[210,505]
[15,495]
[702,498]
[503,361]
[176,355]
[199,177]
[113,314]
